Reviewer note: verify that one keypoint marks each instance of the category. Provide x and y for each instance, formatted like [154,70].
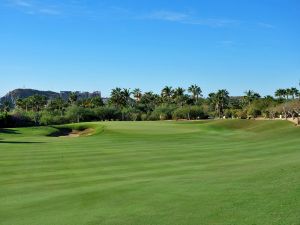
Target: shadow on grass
[21,142]
[60,132]
[8,131]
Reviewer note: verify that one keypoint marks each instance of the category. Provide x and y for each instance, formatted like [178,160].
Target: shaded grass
[216,172]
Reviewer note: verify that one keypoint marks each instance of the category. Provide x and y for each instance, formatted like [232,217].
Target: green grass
[134,173]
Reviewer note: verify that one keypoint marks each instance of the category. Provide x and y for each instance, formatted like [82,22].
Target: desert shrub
[241,114]
[229,113]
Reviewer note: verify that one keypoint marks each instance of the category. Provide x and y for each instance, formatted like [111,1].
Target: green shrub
[190,113]
[163,112]
[107,113]
[48,118]
[78,113]
[5,120]
[144,117]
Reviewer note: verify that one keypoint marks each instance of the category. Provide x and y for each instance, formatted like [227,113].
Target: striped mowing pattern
[216,172]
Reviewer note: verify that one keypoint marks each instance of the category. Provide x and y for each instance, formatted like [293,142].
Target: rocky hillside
[12,96]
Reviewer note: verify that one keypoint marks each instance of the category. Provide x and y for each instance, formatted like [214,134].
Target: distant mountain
[12,96]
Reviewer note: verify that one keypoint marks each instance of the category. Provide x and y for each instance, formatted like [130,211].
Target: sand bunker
[77,133]
[67,132]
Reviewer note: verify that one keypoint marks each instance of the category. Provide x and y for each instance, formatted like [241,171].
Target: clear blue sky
[98,45]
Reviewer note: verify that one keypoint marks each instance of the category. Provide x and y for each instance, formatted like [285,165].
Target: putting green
[134,173]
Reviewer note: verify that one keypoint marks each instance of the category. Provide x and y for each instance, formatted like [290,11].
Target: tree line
[134,105]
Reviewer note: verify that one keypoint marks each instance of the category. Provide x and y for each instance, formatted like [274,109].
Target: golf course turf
[226,172]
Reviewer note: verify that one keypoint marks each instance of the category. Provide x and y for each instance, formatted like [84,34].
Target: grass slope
[217,172]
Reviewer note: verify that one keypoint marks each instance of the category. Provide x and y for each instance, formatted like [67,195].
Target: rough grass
[217,172]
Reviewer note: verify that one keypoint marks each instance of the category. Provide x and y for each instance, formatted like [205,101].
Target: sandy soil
[77,133]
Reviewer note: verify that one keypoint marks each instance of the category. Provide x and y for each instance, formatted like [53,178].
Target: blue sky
[90,45]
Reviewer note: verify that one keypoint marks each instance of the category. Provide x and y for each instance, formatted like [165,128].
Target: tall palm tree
[37,102]
[179,96]
[150,101]
[195,91]
[294,92]
[223,98]
[214,102]
[289,92]
[167,93]
[137,94]
[178,92]
[126,95]
[60,104]
[285,94]
[73,97]
[96,102]
[219,101]
[250,96]
[298,95]
[26,103]
[280,93]
[117,97]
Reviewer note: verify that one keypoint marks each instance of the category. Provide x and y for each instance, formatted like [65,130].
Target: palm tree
[37,102]
[195,91]
[126,95]
[280,93]
[166,93]
[213,101]
[96,102]
[117,97]
[20,104]
[137,94]
[179,96]
[298,95]
[60,104]
[179,92]
[269,98]
[26,103]
[223,97]
[219,101]
[294,92]
[73,97]
[289,92]
[250,96]
[285,93]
